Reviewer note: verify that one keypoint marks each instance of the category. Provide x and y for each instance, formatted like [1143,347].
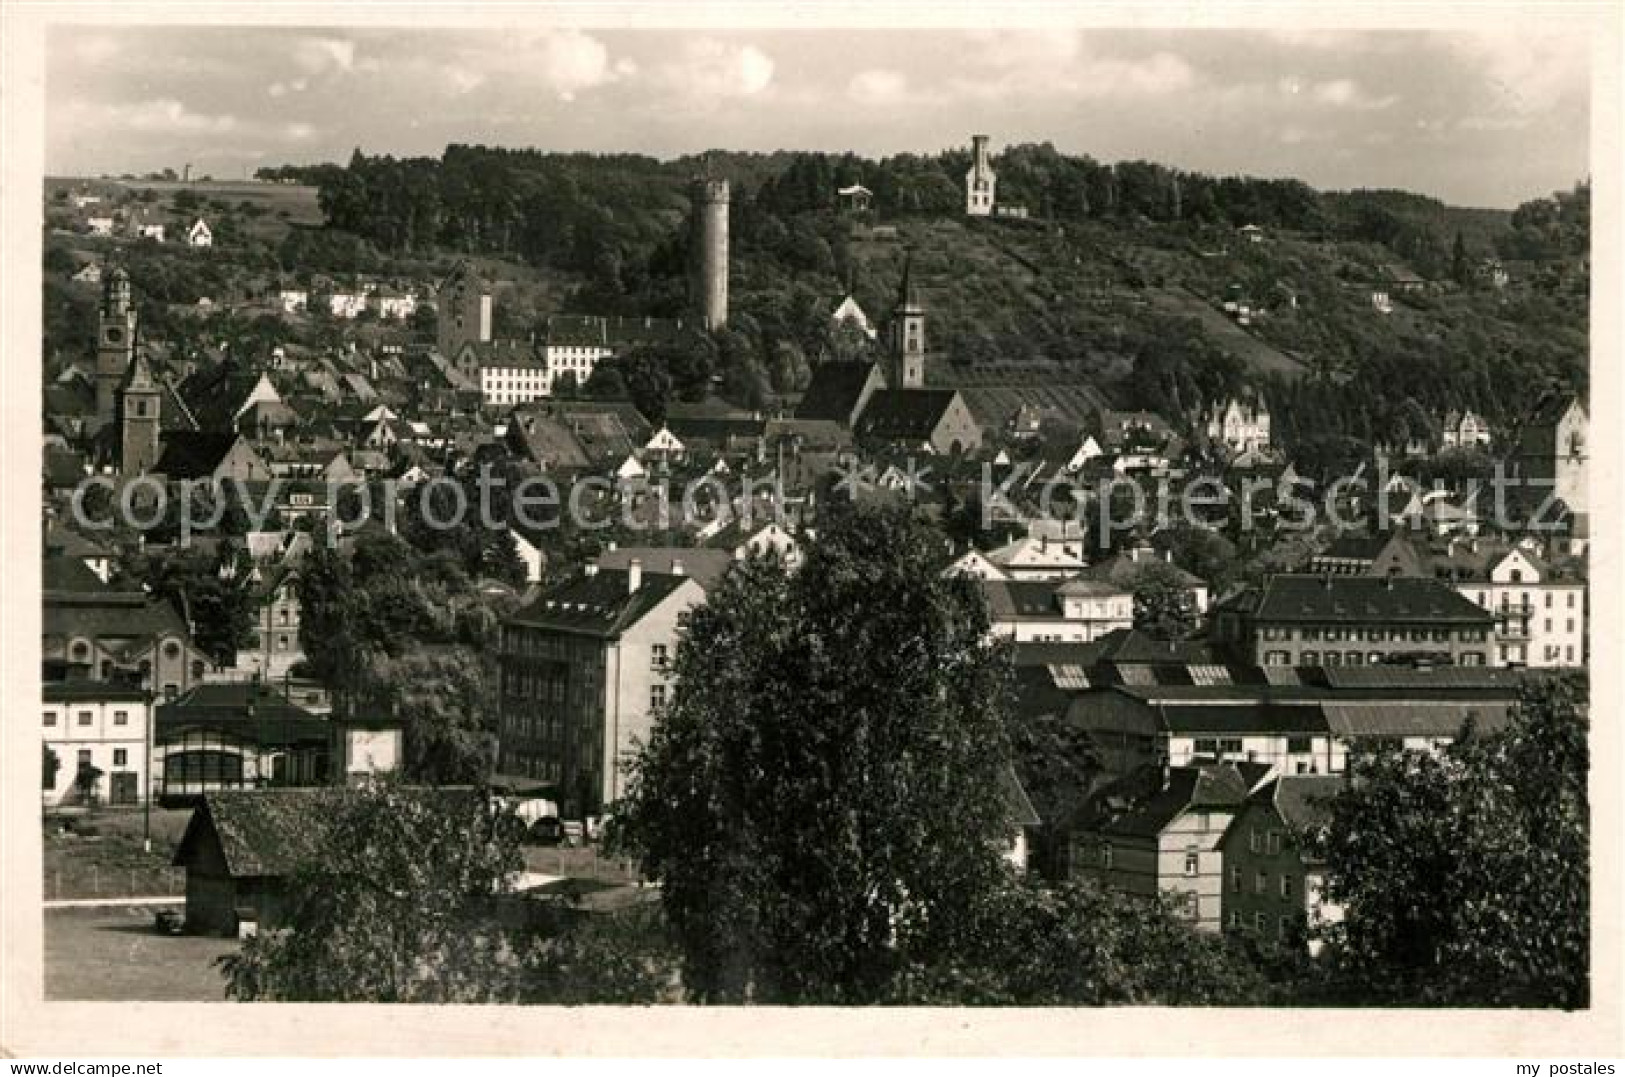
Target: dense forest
[1109,278]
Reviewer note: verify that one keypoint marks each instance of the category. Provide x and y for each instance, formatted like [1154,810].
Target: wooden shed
[239,849]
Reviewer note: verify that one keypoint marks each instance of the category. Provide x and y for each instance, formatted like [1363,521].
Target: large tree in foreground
[821,801]
[398,900]
[1466,877]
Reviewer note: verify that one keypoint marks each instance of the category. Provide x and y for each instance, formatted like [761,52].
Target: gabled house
[188,456]
[1040,558]
[199,235]
[1274,881]
[1159,835]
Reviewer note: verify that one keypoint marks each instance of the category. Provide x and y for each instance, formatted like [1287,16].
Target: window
[1298,745]
[1206,746]
[1548,624]
[1283,926]
[1571,600]
[171,649]
[50,718]
[1286,888]
[121,717]
[1261,883]
[1352,658]
[1106,856]
[1333,658]
[1273,846]
[1311,633]
[1259,920]
[658,658]
[657,696]
[120,757]
[1548,600]
[1334,633]
[1472,658]
[1570,625]
[1235,879]
[171,691]
[1229,746]
[84,757]
[1309,658]
[1193,861]
[85,717]
[1235,918]
[1376,657]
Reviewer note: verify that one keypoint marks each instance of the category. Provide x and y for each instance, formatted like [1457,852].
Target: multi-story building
[1274,882]
[1078,610]
[1463,430]
[1294,620]
[585,670]
[1240,426]
[1305,721]
[94,632]
[1540,613]
[1167,842]
[1552,455]
[96,742]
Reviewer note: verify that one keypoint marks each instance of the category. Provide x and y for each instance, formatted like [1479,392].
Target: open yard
[113,954]
[102,856]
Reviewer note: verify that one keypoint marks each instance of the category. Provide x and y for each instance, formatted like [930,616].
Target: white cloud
[319,54]
[877,87]
[1527,70]
[712,69]
[463,79]
[1346,93]
[164,116]
[299,131]
[282,89]
[570,61]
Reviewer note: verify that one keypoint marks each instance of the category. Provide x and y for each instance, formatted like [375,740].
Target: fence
[98,881]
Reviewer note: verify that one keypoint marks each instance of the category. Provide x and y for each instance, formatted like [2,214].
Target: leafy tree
[1164,607]
[821,802]
[1080,944]
[402,906]
[220,610]
[1465,877]
[396,908]
[446,702]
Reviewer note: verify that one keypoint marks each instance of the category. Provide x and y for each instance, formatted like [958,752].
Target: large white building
[96,736]
[1540,615]
[1240,426]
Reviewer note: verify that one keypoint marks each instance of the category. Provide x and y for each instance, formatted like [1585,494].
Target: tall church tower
[115,344]
[138,419]
[463,310]
[907,343]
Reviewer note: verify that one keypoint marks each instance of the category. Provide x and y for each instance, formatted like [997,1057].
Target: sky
[1482,119]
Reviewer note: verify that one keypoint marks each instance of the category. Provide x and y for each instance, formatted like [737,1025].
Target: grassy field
[113,954]
[1260,356]
[113,863]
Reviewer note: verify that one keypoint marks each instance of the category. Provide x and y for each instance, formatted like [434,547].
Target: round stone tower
[711,251]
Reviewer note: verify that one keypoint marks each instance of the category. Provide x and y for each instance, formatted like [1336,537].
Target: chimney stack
[677,568]
[634,576]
